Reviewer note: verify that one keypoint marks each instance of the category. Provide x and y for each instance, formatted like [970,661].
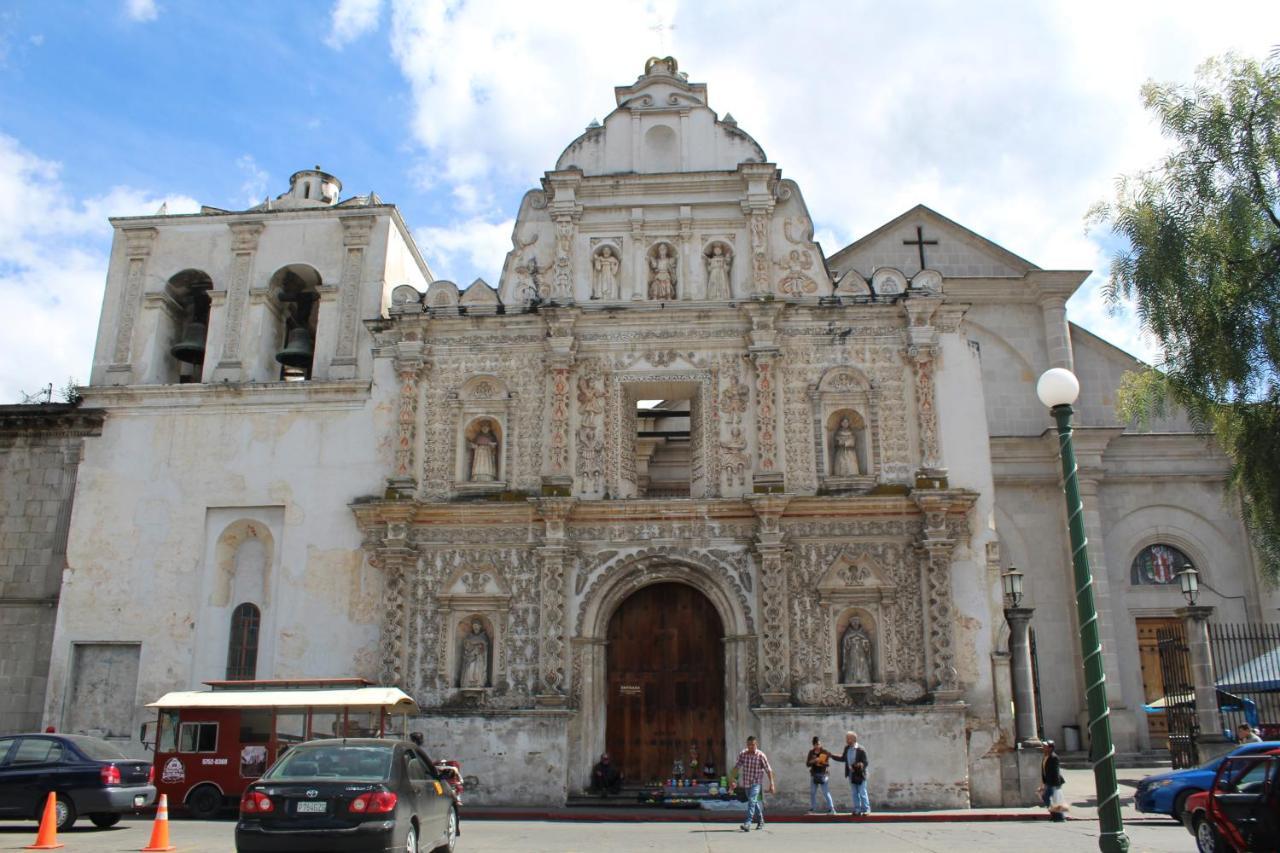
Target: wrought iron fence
[1178,703]
[1246,665]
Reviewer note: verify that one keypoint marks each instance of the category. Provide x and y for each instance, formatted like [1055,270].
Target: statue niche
[662,273]
[845,444]
[857,653]
[483,444]
[475,649]
[604,279]
[719,261]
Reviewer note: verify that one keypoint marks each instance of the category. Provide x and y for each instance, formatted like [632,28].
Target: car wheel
[451,833]
[1180,803]
[103,820]
[411,840]
[66,812]
[204,802]
[1206,836]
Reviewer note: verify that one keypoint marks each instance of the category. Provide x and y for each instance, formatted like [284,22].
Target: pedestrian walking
[753,765]
[1246,734]
[818,762]
[1051,783]
[855,763]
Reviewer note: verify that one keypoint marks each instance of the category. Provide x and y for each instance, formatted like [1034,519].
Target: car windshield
[358,763]
[98,750]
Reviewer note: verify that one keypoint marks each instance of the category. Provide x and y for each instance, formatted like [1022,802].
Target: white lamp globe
[1058,387]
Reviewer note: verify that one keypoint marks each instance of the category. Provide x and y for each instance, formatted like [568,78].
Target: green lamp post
[1058,389]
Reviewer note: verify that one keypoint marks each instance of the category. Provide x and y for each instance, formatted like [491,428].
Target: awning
[393,699]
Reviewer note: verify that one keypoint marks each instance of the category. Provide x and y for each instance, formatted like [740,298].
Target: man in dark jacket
[855,763]
[605,778]
[1051,783]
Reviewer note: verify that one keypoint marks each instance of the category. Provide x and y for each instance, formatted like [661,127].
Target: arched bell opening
[296,289]
[189,295]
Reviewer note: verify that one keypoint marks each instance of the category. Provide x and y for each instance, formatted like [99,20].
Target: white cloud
[351,19]
[141,10]
[475,244]
[53,266]
[256,180]
[1011,119]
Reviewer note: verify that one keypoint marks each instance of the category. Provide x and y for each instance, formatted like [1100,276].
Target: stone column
[775,646]
[1024,699]
[138,243]
[397,557]
[1195,626]
[937,546]
[764,351]
[410,365]
[355,239]
[552,558]
[923,351]
[1057,334]
[557,476]
[244,246]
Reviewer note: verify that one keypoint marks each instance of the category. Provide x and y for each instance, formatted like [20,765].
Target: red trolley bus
[210,744]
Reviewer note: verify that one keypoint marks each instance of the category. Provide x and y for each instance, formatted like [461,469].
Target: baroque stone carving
[484,453]
[605,266]
[719,263]
[856,655]
[844,450]
[663,273]
[473,665]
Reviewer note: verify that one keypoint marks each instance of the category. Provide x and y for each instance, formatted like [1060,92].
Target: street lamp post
[1058,389]
[1019,619]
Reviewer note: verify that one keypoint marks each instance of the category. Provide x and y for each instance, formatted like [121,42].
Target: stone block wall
[39,455]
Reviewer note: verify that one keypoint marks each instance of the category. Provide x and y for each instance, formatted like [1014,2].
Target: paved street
[541,837]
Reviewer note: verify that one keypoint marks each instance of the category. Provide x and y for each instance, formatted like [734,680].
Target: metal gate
[1179,700]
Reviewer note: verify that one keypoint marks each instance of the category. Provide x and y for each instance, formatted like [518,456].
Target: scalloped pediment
[851,574]
[476,581]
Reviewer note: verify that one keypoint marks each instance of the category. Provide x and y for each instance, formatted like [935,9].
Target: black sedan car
[357,794]
[89,776]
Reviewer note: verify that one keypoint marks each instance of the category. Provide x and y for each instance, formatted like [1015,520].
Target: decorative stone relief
[606,264]
[718,257]
[663,272]
[590,436]
[766,417]
[409,368]
[562,276]
[138,242]
[759,226]
[355,238]
[244,244]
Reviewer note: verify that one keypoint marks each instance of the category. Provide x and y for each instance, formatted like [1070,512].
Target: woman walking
[818,763]
[1051,783]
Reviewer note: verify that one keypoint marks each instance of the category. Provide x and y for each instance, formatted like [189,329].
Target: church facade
[678,478]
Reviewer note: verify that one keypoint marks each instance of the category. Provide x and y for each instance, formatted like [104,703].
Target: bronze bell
[298,349]
[190,349]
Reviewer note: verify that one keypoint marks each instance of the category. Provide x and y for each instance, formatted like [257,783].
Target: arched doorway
[665,675]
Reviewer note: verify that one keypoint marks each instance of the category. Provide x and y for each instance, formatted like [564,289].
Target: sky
[1012,118]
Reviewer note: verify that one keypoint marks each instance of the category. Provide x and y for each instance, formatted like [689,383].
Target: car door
[427,799]
[1241,794]
[1266,835]
[33,765]
[8,787]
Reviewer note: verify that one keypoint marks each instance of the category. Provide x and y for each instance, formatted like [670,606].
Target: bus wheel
[204,802]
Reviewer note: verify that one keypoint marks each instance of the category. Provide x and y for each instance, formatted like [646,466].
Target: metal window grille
[242,651]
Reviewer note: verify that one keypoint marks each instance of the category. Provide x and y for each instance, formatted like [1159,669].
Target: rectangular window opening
[663,453]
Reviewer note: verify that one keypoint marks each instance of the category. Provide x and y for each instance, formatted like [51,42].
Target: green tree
[1201,264]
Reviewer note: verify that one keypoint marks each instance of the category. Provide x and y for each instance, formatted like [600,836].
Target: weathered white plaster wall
[517,758]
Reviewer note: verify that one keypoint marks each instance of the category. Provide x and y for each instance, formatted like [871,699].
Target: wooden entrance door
[665,670]
[1152,679]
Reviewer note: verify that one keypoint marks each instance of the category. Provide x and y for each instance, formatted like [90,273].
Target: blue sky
[1011,118]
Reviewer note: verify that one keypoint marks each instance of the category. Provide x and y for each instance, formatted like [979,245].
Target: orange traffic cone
[47,836]
[160,829]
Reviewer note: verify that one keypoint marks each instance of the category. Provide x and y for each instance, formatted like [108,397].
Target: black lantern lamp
[1012,583]
[1189,580]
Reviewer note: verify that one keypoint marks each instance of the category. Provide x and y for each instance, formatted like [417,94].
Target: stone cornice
[207,398]
[50,419]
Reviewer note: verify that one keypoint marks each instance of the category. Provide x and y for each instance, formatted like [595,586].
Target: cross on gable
[919,242]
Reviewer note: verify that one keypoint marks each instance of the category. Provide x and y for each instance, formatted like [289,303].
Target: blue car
[1166,793]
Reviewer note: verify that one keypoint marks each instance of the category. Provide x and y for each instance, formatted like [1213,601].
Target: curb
[699,816]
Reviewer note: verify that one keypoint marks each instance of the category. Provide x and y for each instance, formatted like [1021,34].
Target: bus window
[326,724]
[198,737]
[168,740]
[291,728]
[363,723]
[255,727]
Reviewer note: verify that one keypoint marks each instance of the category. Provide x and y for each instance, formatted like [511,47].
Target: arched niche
[661,149]
[482,399]
[845,393]
[244,558]
[718,262]
[293,294]
[856,586]
[465,629]
[662,259]
[182,326]
[473,592]
[606,269]
[857,634]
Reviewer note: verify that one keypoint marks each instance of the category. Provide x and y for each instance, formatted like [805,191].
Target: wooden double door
[665,669]
[1153,686]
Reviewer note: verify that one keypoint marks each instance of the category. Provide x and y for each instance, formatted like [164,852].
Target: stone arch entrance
[665,672]
[603,598]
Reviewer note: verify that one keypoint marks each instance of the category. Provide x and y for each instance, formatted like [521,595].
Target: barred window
[242,651]
[1157,565]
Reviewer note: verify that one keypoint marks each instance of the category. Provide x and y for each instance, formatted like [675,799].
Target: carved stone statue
[844,450]
[855,654]
[734,457]
[484,454]
[662,275]
[718,264]
[473,664]
[604,285]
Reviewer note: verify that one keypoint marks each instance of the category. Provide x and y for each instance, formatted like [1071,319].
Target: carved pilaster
[397,557]
[244,245]
[562,266]
[764,351]
[561,345]
[775,643]
[409,363]
[138,243]
[355,239]
[761,179]
[685,288]
[552,559]
[923,351]
[936,547]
